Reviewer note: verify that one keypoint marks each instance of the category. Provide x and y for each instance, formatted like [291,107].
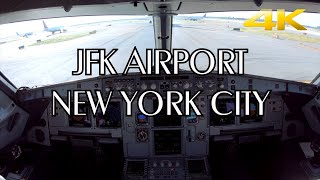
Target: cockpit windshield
[43,52]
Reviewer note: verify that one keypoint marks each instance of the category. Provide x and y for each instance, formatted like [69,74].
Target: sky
[309,19]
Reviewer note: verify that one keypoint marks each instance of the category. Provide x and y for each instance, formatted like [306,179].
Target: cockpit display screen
[223,105]
[253,112]
[167,142]
[228,104]
[80,120]
[136,168]
[162,119]
[112,117]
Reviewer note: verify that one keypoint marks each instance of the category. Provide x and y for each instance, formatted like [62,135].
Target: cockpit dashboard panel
[154,145]
[114,121]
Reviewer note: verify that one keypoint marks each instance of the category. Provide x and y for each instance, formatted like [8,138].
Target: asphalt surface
[53,63]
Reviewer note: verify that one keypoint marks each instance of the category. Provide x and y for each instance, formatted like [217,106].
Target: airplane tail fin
[205,15]
[17,33]
[44,25]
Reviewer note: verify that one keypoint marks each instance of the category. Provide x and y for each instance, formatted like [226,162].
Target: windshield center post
[162,25]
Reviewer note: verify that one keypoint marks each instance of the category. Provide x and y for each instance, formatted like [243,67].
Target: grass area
[283,35]
[61,38]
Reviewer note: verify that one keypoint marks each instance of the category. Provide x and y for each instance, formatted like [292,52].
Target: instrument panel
[150,141]
[208,85]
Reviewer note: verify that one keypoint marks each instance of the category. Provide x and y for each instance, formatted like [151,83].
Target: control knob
[153,86]
[129,87]
[186,85]
[118,86]
[200,84]
[143,86]
[154,164]
[175,85]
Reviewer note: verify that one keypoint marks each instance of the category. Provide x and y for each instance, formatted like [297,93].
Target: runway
[53,63]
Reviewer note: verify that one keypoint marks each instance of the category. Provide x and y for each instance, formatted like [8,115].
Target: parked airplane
[26,35]
[52,29]
[197,18]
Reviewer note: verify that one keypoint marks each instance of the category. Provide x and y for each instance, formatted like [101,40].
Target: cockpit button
[143,86]
[153,86]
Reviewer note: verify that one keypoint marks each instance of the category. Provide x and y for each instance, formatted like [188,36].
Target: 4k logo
[282,19]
